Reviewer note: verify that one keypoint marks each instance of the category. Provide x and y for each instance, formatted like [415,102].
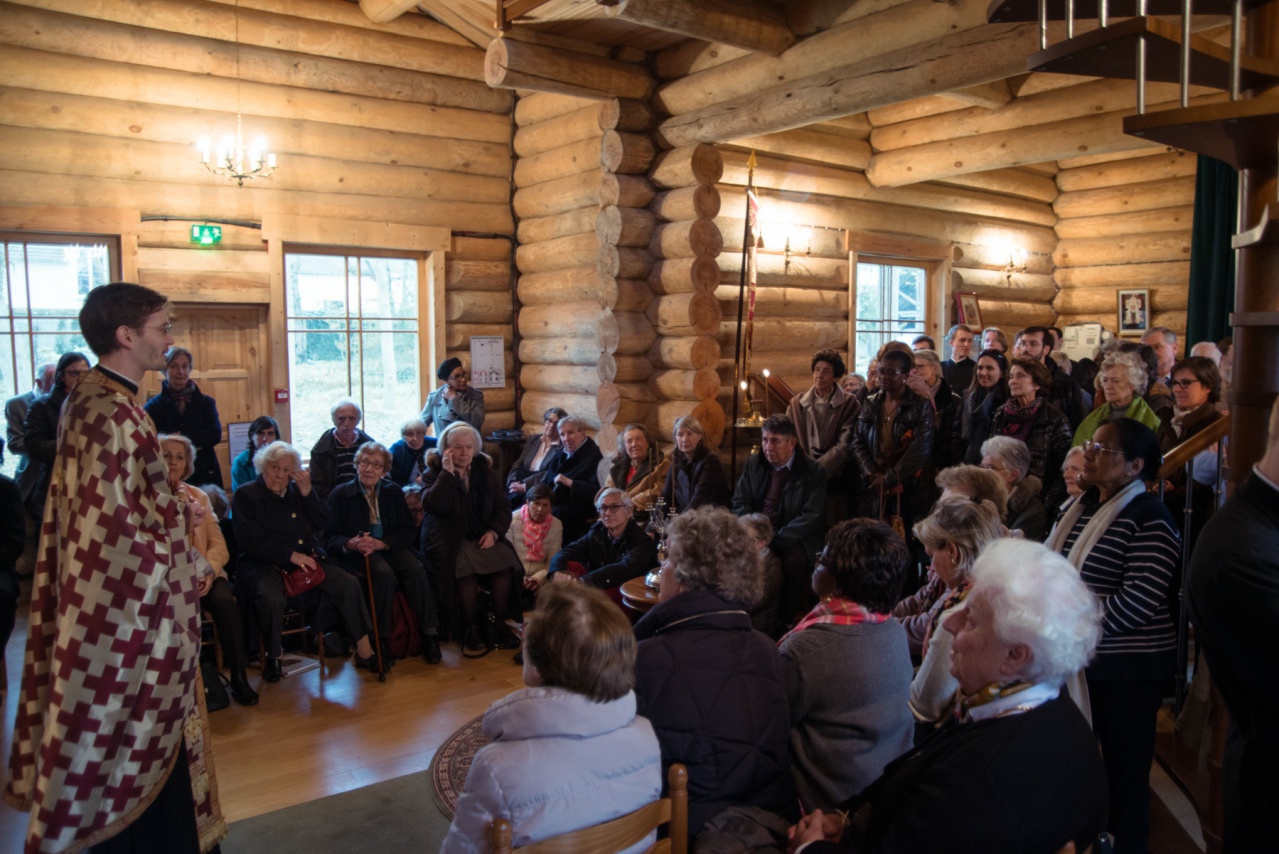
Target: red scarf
[839,611]
[535,534]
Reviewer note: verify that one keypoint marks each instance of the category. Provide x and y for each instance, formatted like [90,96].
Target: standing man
[1164,342]
[1035,342]
[790,489]
[110,745]
[1232,589]
[26,475]
[958,369]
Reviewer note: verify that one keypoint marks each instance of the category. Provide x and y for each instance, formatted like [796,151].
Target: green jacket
[1138,410]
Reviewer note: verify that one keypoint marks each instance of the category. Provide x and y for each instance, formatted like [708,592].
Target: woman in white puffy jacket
[567,751]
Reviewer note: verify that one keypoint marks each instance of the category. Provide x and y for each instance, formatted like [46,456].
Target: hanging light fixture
[232,159]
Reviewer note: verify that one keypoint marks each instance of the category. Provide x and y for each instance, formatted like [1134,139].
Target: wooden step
[1112,52]
[1264,233]
[1001,11]
[1241,133]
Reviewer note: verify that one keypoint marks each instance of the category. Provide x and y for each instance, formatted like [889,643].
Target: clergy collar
[131,385]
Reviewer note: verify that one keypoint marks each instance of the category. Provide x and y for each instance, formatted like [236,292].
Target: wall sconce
[796,238]
[1016,264]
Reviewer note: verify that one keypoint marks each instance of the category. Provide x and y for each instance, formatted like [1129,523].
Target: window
[352,328]
[43,283]
[892,304]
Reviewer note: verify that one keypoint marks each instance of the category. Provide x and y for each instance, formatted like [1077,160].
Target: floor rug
[452,762]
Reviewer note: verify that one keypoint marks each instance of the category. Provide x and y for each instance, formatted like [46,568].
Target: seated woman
[953,535]
[639,469]
[1028,417]
[538,452]
[181,407]
[262,432]
[847,668]
[567,751]
[1123,381]
[408,455]
[1071,469]
[696,477]
[277,520]
[215,590]
[1019,770]
[1010,459]
[536,535]
[766,616]
[372,528]
[710,683]
[464,536]
[614,550]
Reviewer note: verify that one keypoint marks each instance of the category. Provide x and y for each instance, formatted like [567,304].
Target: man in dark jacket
[958,370]
[1036,342]
[572,473]
[333,456]
[614,550]
[790,489]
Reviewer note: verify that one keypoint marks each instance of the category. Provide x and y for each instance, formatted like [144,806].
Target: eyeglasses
[370,464]
[1099,448]
[611,508]
[989,467]
[166,328]
[74,373]
[457,377]
[1183,384]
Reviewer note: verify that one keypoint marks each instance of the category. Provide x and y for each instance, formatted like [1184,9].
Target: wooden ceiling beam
[750,24]
[992,95]
[513,64]
[383,11]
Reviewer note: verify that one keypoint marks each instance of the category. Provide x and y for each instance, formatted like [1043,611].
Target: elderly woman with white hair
[696,477]
[1019,770]
[1123,379]
[408,455]
[278,521]
[1010,459]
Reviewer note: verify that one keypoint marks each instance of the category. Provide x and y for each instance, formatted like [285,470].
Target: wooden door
[229,346]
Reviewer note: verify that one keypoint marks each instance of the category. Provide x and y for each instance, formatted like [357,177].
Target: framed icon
[968,311]
[1134,312]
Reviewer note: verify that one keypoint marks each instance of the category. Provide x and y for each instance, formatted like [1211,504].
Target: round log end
[496,63]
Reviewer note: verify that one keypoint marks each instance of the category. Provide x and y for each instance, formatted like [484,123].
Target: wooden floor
[321,733]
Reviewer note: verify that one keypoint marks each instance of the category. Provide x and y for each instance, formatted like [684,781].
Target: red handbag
[299,579]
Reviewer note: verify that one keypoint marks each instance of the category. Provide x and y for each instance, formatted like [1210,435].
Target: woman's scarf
[953,598]
[1178,421]
[181,397]
[535,534]
[1019,419]
[839,611]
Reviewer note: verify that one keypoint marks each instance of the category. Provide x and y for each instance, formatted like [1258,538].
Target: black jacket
[574,505]
[350,513]
[199,423]
[948,449]
[270,528]
[914,427]
[712,688]
[608,562]
[695,482]
[803,500]
[324,461]
[1049,442]
[41,437]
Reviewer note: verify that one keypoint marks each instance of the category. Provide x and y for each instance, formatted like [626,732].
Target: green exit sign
[206,235]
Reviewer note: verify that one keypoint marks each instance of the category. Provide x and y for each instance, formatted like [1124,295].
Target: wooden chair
[618,834]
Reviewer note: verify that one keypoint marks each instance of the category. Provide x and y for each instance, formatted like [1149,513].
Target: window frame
[932,255]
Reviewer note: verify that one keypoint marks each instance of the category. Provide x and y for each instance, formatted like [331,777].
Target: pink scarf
[838,611]
[535,534]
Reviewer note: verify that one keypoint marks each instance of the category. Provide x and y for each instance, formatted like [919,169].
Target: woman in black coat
[696,477]
[1028,417]
[464,536]
[181,407]
[987,393]
[41,427]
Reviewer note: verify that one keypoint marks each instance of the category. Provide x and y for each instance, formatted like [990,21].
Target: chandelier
[232,159]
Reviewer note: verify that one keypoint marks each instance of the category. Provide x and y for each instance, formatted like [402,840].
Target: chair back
[618,834]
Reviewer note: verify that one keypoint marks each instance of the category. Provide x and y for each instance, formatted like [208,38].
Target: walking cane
[377,636]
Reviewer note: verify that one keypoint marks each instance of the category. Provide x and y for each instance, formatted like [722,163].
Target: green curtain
[1212,261]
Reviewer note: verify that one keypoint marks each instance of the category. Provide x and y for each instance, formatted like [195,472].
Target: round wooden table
[638,595]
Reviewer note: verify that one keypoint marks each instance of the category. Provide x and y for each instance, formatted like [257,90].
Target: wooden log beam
[534,107]
[572,379]
[457,336]
[273,30]
[583,406]
[382,11]
[687,166]
[1011,315]
[572,159]
[817,243]
[632,295]
[915,108]
[1017,183]
[627,191]
[1124,275]
[582,123]
[700,202]
[625,226]
[685,314]
[1083,161]
[624,262]
[1123,249]
[578,250]
[561,195]
[1114,225]
[583,319]
[691,238]
[977,255]
[625,369]
[901,28]
[814,145]
[1145,196]
[788,302]
[808,335]
[482,249]
[627,153]
[684,275]
[797,271]
[988,96]
[559,351]
[622,114]
[569,285]
[692,55]
[465,274]
[1165,297]
[1174,320]
[477,307]
[635,334]
[996,284]
[685,385]
[749,24]
[543,228]
[521,65]
[685,353]
[1160,167]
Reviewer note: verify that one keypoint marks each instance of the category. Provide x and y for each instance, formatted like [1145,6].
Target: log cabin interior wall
[629,208]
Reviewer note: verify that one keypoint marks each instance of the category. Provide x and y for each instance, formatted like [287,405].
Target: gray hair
[185,442]
[345,401]
[1036,597]
[1208,350]
[613,490]
[759,525]
[929,356]
[710,550]
[1170,337]
[691,423]
[414,423]
[174,352]
[273,452]
[570,419]
[1077,449]
[621,437]
[457,427]
[1134,365]
[1014,454]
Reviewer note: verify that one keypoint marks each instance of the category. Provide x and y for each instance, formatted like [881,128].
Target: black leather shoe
[431,649]
[271,669]
[472,642]
[506,638]
[370,664]
[241,690]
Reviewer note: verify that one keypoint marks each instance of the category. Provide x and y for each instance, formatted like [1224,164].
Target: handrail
[1177,458]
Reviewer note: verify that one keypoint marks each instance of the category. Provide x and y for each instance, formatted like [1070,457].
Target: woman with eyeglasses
[1123,380]
[539,450]
[985,394]
[1196,389]
[42,427]
[181,407]
[1126,547]
[893,443]
[454,401]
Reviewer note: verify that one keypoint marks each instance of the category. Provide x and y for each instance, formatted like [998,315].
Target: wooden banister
[1176,459]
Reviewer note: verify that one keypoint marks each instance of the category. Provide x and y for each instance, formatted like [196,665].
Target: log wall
[374,123]
[1125,223]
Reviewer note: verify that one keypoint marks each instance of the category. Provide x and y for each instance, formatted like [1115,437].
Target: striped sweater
[1134,570]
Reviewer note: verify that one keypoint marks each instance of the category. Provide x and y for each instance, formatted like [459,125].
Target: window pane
[892,302]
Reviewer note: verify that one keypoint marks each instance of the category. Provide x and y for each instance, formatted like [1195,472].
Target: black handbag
[215,694]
